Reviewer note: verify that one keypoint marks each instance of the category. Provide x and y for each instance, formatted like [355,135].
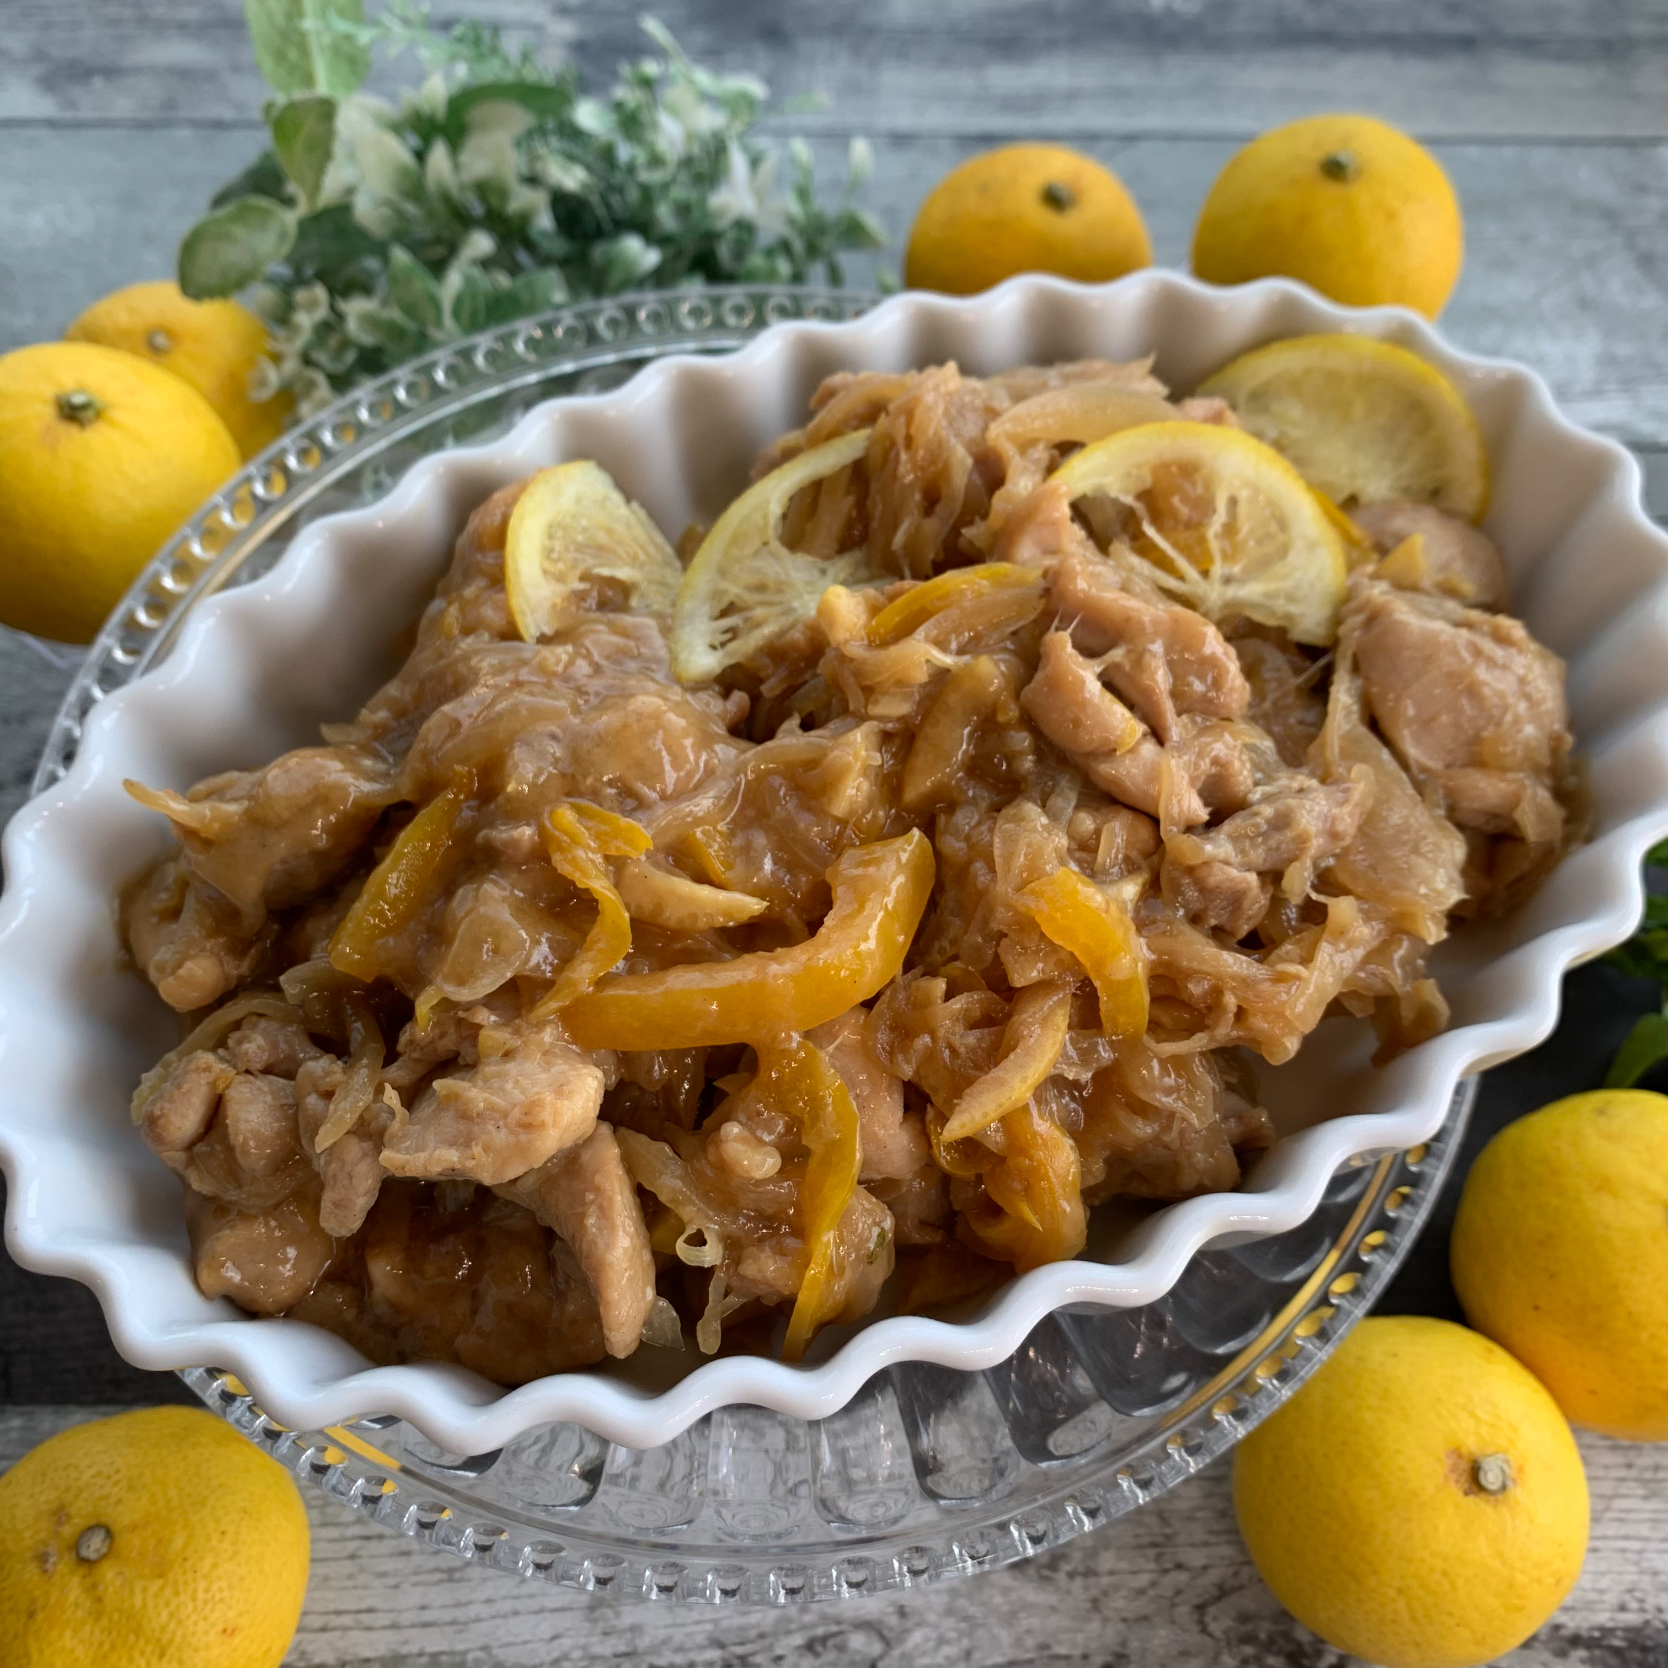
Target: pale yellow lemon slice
[1229,526]
[577,543]
[1363,421]
[744,586]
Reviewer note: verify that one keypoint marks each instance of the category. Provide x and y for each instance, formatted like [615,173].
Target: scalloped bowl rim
[464,1413]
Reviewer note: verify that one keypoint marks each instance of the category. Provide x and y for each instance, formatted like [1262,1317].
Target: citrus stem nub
[92,1543]
[159,341]
[1340,165]
[1058,196]
[78,406]
[1493,1473]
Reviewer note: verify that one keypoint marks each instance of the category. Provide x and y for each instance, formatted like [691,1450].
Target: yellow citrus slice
[744,586]
[1228,524]
[577,543]
[1362,420]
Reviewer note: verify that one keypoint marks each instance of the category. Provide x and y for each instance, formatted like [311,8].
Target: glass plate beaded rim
[269,495]
[345,1463]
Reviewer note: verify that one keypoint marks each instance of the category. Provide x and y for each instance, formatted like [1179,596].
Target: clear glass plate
[929,1473]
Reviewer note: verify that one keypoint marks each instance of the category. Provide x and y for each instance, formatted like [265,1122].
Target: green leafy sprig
[369,231]
[1645,956]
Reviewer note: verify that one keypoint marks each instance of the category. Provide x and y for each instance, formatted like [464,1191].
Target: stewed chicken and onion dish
[716,946]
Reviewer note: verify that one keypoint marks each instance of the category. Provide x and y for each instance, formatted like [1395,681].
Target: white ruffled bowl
[254,670]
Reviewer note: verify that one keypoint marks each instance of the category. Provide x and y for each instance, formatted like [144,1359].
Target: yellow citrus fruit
[744,586]
[1347,204]
[102,456]
[1228,524]
[1560,1253]
[576,543]
[1364,421]
[214,345]
[1025,208]
[156,1537]
[1420,1502]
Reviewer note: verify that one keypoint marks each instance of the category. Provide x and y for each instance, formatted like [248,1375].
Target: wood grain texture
[1170,1586]
[118,118]
[1572,68]
[1567,265]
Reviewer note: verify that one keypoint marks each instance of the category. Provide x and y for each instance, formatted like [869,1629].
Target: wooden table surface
[118,118]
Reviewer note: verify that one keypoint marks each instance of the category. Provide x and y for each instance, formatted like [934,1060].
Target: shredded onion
[708,1254]
[391,1099]
[208,1033]
[662,1328]
[709,1329]
[360,1081]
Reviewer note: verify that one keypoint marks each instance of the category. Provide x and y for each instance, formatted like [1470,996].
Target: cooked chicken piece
[450,1034]
[1138,778]
[1108,840]
[259,1112]
[597,715]
[1405,857]
[1285,704]
[1216,877]
[920,1206]
[351,1171]
[316,1083]
[265,1260]
[1217,896]
[1213,763]
[278,1046]
[894,1142]
[1073,708]
[1112,747]
[1473,706]
[586,1195]
[532,1306]
[350,1168]
[178,1114]
[1453,558]
[229,1135]
[1293,827]
[531,1094]
[1163,659]
[271,838]
[188,940]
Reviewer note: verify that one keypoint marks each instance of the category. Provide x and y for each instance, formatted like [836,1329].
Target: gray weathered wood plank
[1453,68]
[1169,1585]
[1057,68]
[1567,267]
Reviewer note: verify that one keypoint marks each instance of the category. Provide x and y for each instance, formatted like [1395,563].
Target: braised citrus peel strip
[392,894]
[1097,930]
[906,614]
[573,537]
[665,898]
[580,838]
[1037,1182]
[880,893]
[1031,1043]
[1362,420]
[803,1083]
[1229,526]
[744,586]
